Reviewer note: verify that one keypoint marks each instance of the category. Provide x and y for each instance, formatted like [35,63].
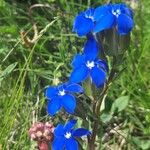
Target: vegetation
[36,48]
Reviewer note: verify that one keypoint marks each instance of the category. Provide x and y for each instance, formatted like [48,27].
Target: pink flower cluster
[42,133]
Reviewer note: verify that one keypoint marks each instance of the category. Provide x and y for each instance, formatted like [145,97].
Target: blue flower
[84,23]
[113,15]
[104,17]
[64,136]
[88,65]
[61,96]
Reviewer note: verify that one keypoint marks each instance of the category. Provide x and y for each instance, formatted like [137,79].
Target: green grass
[26,71]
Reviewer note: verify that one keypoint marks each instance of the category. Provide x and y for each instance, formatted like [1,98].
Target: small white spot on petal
[68,135]
[116,12]
[62,93]
[90,65]
[90,16]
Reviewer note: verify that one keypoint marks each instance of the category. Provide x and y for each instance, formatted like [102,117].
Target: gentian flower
[84,22]
[113,15]
[61,96]
[88,65]
[104,17]
[64,136]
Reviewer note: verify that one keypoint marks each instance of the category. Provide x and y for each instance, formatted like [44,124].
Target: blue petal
[100,12]
[91,48]
[51,92]
[59,130]
[82,25]
[125,24]
[115,6]
[103,64]
[89,12]
[78,61]
[98,76]
[58,143]
[126,10]
[79,74]
[73,87]
[106,22]
[54,105]
[69,103]
[80,132]
[61,87]
[70,125]
[71,144]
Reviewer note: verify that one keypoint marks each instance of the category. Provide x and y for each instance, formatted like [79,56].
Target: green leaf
[7,71]
[120,103]
[106,117]
[88,88]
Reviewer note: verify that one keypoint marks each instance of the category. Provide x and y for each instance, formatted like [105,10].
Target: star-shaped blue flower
[113,15]
[64,136]
[61,96]
[88,65]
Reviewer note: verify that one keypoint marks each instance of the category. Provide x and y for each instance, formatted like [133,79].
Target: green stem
[97,123]
[96,112]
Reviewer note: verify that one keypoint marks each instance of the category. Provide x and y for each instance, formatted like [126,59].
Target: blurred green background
[29,63]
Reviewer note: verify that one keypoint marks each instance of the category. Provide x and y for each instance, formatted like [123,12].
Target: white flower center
[90,16]
[62,93]
[90,65]
[116,12]
[67,135]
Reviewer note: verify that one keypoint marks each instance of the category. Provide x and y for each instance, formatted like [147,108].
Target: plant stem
[97,122]
[96,111]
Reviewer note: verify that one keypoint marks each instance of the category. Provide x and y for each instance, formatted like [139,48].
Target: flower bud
[113,43]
